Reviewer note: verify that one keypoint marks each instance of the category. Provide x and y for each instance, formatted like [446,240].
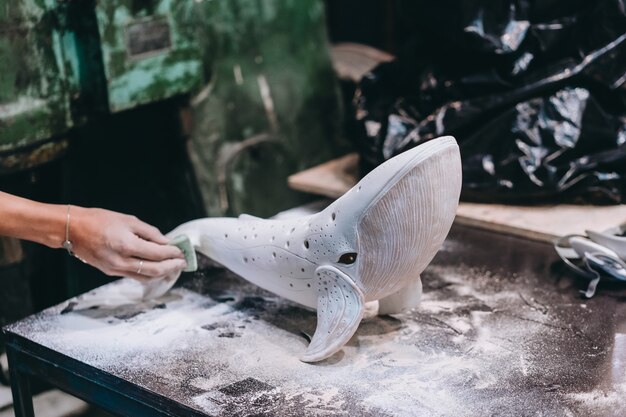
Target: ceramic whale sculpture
[370,244]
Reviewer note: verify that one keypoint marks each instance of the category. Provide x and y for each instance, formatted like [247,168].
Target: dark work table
[501,331]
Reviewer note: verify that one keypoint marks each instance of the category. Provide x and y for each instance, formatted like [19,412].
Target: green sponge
[184,244]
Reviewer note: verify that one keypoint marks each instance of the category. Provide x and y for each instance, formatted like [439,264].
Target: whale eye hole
[347,258]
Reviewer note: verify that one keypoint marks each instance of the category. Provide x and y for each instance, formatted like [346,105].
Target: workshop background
[174,110]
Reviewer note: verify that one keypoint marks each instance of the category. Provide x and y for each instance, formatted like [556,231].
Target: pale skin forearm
[115,243]
[29,220]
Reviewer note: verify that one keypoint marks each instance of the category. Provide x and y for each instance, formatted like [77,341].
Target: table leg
[20,388]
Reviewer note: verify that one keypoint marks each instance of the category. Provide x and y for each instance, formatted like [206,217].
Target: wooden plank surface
[543,223]
[351,61]
[330,179]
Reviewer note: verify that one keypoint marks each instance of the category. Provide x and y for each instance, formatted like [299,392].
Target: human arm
[115,243]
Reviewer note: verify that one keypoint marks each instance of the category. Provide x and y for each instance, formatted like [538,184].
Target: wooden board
[543,223]
[351,61]
[330,179]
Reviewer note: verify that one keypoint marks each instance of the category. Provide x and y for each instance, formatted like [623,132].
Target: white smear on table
[457,354]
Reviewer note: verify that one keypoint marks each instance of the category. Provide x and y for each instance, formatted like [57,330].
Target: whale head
[378,237]
[387,228]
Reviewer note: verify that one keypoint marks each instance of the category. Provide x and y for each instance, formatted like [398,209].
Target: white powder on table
[474,347]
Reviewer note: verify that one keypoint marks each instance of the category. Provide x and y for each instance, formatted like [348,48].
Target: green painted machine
[148,52]
[34,87]
[110,91]
[257,75]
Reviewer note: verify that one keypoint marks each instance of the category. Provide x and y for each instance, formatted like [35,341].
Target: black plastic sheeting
[534,91]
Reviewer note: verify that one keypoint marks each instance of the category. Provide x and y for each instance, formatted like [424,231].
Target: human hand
[122,245]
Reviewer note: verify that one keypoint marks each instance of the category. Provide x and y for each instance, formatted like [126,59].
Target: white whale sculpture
[370,244]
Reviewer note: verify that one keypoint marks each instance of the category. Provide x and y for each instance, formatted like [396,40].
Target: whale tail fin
[340,305]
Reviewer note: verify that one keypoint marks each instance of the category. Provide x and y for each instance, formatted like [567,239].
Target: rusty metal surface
[501,330]
[34,100]
[11,251]
[32,156]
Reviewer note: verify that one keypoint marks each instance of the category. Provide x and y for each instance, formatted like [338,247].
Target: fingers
[116,243]
[145,269]
[151,244]
[151,251]
[147,232]
[163,268]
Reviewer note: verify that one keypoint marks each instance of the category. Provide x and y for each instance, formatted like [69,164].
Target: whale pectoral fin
[405,298]
[340,305]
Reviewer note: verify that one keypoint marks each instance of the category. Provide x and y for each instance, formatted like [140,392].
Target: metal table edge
[46,360]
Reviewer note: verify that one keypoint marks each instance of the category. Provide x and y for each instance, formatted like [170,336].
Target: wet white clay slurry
[370,244]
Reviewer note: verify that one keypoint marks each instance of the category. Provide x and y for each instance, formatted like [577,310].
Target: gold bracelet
[67,244]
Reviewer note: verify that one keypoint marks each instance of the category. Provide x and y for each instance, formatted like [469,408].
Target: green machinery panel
[264,98]
[148,54]
[272,106]
[34,92]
